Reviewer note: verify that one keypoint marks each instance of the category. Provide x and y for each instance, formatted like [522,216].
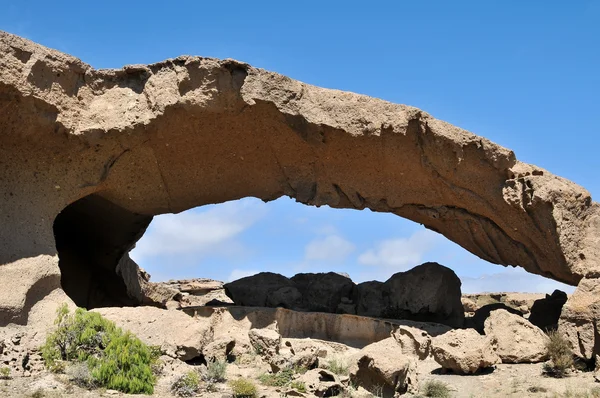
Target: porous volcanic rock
[323,291]
[383,365]
[477,321]
[321,383]
[579,321]
[515,338]
[89,156]
[178,335]
[429,292]
[265,289]
[266,342]
[369,298]
[545,312]
[464,351]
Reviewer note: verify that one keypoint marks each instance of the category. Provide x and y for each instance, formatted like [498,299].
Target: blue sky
[523,74]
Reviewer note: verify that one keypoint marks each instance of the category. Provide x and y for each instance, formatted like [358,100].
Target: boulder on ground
[321,383]
[546,312]
[516,339]
[324,292]
[218,349]
[413,341]
[385,367]
[266,342]
[266,289]
[429,292]
[369,299]
[469,305]
[179,335]
[463,351]
[580,319]
[477,321]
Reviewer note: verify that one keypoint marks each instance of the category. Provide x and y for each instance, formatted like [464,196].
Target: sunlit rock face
[88,157]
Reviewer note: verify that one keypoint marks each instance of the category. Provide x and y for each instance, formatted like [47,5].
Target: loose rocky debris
[176,294]
[306,354]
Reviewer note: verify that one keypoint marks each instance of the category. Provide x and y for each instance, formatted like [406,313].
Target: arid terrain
[285,352]
[89,156]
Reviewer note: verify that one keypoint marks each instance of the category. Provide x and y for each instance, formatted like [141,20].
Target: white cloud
[512,280]
[240,273]
[330,248]
[402,253]
[198,232]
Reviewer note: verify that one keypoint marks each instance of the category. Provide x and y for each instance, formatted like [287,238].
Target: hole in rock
[229,241]
[197,361]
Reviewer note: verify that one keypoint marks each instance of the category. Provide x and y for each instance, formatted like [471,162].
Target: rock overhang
[192,131]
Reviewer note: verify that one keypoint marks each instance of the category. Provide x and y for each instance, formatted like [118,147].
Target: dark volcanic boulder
[324,291]
[368,297]
[429,292]
[546,312]
[265,289]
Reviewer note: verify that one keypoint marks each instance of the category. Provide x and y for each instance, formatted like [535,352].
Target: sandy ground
[521,380]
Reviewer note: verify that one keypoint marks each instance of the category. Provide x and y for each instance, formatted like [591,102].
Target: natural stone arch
[192,131]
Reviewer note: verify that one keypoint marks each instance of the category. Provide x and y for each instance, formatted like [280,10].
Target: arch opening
[94,238]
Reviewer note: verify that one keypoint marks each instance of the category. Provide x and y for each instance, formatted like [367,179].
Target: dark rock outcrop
[546,312]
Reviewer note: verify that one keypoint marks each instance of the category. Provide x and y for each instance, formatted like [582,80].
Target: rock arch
[112,148]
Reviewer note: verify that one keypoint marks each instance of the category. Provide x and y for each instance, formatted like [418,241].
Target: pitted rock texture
[124,145]
[428,292]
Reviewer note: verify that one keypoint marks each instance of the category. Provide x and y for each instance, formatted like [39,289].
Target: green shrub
[125,365]
[337,366]
[5,373]
[216,371]
[299,386]
[535,389]
[187,385]
[243,388]
[79,373]
[560,355]
[116,360]
[435,389]
[279,379]
[39,393]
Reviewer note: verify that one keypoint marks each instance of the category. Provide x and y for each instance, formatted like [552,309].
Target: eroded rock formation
[428,292]
[87,157]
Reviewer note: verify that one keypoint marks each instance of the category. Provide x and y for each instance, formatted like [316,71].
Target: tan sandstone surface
[88,157]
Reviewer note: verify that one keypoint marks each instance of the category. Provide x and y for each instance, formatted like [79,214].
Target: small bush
[57,366]
[593,393]
[39,393]
[435,389]
[216,371]
[536,389]
[279,379]
[79,373]
[560,355]
[243,388]
[5,373]
[298,386]
[187,385]
[116,360]
[337,366]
